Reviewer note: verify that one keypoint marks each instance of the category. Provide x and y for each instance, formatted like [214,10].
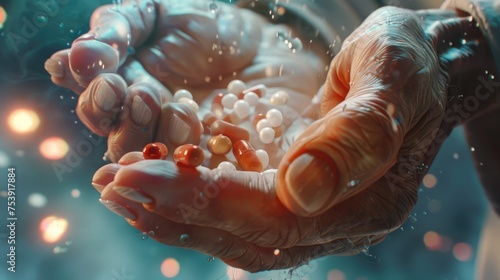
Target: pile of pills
[226,137]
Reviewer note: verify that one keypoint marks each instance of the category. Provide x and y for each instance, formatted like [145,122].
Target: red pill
[247,157]
[189,155]
[156,150]
[217,107]
[230,130]
[260,90]
[207,121]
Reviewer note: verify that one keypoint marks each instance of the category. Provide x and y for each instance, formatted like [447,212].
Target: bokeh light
[432,240]
[462,252]
[170,268]
[53,228]
[23,121]
[429,181]
[54,148]
[75,193]
[3,16]
[236,273]
[4,160]
[37,200]
[336,274]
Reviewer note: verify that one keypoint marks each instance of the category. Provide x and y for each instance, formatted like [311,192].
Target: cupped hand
[136,55]
[348,180]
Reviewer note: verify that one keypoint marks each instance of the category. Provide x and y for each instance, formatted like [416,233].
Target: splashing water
[294,44]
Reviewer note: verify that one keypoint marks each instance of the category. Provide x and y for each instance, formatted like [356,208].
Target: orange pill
[156,150]
[247,157]
[230,130]
[257,118]
[219,145]
[260,90]
[189,155]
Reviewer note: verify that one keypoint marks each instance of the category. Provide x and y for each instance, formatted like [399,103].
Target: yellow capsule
[219,145]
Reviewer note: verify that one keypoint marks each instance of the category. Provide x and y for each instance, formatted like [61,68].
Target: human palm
[383,103]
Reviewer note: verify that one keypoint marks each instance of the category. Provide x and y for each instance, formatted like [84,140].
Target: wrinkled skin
[384,101]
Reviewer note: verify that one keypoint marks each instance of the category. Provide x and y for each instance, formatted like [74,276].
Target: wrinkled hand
[384,117]
[137,54]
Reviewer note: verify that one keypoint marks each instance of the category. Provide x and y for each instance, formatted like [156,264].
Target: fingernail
[105,96]
[141,114]
[55,67]
[132,194]
[98,187]
[119,209]
[311,180]
[178,130]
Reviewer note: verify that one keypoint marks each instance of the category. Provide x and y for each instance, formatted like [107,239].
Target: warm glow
[429,181]
[462,252]
[236,273]
[53,228]
[433,240]
[54,148]
[170,268]
[23,121]
[3,16]
[336,274]
[75,193]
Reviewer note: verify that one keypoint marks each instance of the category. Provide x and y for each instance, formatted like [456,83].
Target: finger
[358,139]
[114,30]
[215,242]
[106,174]
[137,122]
[60,74]
[242,203]
[100,103]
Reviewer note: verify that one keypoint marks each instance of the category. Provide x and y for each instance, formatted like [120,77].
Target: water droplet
[402,228]
[276,252]
[150,7]
[486,72]
[294,44]
[472,149]
[144,236]
[41,19]
[411,227]
[492,77]
[61,25]
[71,31]
[352,184]
[464,41]
[184,238]
[481,164]
[450,43]
[425,213]
[210,259]
[151,233]
[61,97]
[456,156]
[213,7]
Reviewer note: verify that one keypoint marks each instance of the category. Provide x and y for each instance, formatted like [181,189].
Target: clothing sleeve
[487,15]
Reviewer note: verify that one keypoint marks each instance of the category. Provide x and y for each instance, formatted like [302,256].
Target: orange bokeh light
[462,252]
[3,16]
[53,228]
[236,273]
[433,241]
[336,274]
[170,268]
[23,121]
[429,181]
[54,148]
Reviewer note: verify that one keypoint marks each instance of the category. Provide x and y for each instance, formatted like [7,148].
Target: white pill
[236,86]
[279,98]
[252,98]
[182,93]
[191,103]
[274,117]
[262,124]
[266,135]
[242,109]
[263,157]
[228,100]
[226,165]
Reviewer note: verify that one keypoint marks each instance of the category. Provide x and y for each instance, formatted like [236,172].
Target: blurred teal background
[98,245]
